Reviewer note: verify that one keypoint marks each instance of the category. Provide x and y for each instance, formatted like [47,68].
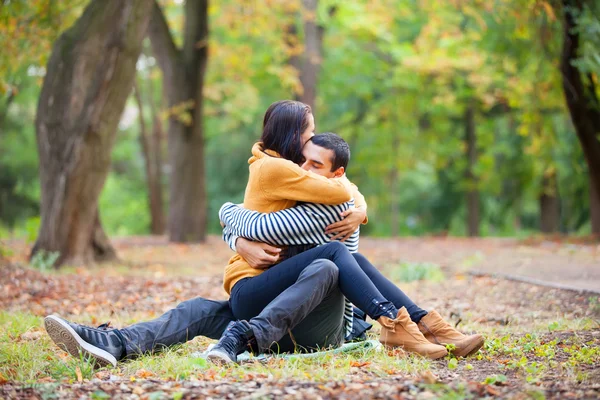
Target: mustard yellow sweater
[275,184]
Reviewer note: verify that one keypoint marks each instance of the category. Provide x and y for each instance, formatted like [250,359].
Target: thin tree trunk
[153,181]
[395,188]
[584,106]
[472,191]
[549,205]
[89,77]
[158,148]
[4,110]
[313,37]
[183,76]
[308,62]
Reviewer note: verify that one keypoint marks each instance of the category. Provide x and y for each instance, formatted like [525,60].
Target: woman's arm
[283,180]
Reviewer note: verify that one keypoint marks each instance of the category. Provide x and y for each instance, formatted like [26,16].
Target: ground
[541,341]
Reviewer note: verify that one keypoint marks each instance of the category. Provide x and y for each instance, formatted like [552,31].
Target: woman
[277,182]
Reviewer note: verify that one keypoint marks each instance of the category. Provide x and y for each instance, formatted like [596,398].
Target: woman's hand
[257,255]
[343,229]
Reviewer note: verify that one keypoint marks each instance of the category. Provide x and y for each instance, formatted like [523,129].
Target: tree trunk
[549,205]
[395,187]
[584,107]
[151,151]
[308,63]
[4,109]
[311,63]
[183,76]
[472,191]
[89,77]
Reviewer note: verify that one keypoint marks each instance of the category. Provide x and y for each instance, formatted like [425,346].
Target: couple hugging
[312,294]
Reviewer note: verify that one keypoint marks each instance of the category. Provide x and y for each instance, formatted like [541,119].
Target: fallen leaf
[78,373]
[358,364]
[138,390]
[143,374]
[492,391]
[35,335]
[429,377]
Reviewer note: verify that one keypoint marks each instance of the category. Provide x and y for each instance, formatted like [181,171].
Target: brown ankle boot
[404,333]
[438,331]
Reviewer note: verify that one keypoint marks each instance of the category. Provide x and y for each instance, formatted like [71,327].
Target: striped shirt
[303,224]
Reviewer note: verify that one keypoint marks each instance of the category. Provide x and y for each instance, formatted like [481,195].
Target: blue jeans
[306,315]
[359,281]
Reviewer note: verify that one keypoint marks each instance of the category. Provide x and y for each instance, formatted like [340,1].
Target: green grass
[24,360]
[28,361]
[529,357]
[410,272]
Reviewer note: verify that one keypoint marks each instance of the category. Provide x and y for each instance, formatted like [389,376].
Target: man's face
[318,160]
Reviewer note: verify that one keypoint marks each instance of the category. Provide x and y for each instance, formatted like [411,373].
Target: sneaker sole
[67,339]
[219,358]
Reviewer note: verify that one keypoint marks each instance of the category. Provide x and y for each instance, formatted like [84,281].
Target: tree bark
[89,77]
[549,205]
[472,191]
[308,62]
[4,110]
[183,76]
[583,106]
[151,152]
[311,64]
[395,187]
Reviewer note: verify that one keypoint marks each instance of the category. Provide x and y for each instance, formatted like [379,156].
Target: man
[315,322]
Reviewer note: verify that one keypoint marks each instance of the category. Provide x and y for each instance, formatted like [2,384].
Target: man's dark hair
[283,125]
[341,150]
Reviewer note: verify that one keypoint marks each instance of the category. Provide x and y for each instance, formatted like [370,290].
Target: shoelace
[105,326]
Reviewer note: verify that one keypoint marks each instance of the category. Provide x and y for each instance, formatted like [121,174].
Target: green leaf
[100,395]
[452,363]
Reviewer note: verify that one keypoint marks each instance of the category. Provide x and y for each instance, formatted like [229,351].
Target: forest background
[457,112]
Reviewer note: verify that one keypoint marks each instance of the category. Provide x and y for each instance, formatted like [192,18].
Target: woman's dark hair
[283,125]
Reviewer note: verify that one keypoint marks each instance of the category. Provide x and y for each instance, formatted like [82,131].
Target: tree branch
[163,46]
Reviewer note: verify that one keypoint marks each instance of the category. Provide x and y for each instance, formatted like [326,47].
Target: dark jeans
[312,308]
[359,281]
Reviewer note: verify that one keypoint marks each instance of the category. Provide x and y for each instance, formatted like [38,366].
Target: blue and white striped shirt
[303,224]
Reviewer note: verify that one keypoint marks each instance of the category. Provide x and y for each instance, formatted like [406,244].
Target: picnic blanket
[353,347]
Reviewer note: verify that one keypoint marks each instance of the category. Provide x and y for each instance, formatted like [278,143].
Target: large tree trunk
[549,205]
[472,191]
[89,77]
[584,107]
[183,77]
[151,152]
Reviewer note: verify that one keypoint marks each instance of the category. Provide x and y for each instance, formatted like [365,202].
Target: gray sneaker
[103,345]
[238,336]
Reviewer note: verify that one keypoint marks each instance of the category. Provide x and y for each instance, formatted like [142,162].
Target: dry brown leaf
[429,377]
[138,390]
[359,364]
[143,373]
[78,373]
[32,335]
